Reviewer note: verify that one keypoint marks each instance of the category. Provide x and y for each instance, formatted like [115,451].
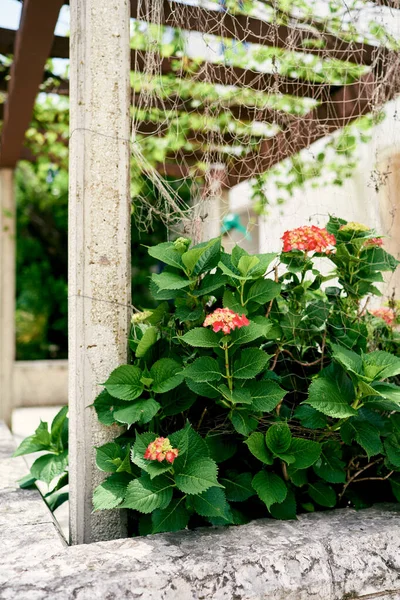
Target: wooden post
[7,292]
[99,242]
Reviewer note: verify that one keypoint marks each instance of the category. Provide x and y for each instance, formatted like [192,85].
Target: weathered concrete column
[7,292]
[99,241]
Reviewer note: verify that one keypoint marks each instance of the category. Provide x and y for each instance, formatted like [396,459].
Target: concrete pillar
[99,242]
[7,292]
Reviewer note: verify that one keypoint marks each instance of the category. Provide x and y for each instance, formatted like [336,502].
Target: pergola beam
[208,72]
[254,30]
[345,106]
[31,49]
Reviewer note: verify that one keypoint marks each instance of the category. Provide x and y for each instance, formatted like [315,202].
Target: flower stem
[227,369]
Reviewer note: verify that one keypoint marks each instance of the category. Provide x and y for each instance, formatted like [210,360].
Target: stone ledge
[335,555]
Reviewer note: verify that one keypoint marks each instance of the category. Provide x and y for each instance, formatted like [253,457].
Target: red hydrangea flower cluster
[226,320]
[160,450]
[385,313]
[308,239]
[373,242]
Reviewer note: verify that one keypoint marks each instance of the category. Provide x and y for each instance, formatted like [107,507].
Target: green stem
[242,302]
[227,369]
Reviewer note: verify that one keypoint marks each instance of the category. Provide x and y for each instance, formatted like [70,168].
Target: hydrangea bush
[259,386]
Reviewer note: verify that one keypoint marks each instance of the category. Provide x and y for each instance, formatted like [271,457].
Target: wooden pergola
[99,199]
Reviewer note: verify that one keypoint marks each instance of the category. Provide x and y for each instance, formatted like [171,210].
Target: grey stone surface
[335,555]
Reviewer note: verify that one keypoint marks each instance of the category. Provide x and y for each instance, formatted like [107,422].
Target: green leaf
[278,438]
[211,503]
[26,482]
[242,421]
[310,418]
[58,424]
[389,391]
[232,301]
[322,494]
[169,281]
[237,486]
[124,383]
[332,396]
[197,476]
[188,310]
[365,434]
[40,440]
[191,446]
[145,494]
[236,396]
[210,283]
[297,476]
[203,369]
[152,467]
[176,401]
[109,457]
[263,264]
[48,466]
[349,360]
[200,337]
[222,446]
[269,487]
[305,452]
[395,485]
[392,447]
[55,499]
[159,294]
[247,264]
[166,374]
[148,340]
[266,395]
[330,466]
[105,405]
[208,390]
[29,445]
[141,411]
[172,518]
[227,270]
[285,510]
[167,254]
[380,365]
[126,466]
[248,333]
[379,260]
[111,492]
[203,257]
[251,362]
[257,446]
[263,291]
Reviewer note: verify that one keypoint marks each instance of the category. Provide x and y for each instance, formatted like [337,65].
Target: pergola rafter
[31,49]
[303,37]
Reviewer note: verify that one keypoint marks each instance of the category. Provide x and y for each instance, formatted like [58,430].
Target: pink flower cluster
[160,450]
[373,243]
[385,313]
[308,239]
[226,320]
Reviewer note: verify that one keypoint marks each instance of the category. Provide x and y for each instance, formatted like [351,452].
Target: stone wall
[40,383]
[335,555]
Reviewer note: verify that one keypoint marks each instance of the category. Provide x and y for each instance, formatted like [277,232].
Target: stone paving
[336,555]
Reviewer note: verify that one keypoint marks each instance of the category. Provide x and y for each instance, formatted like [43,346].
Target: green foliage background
[42,238]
